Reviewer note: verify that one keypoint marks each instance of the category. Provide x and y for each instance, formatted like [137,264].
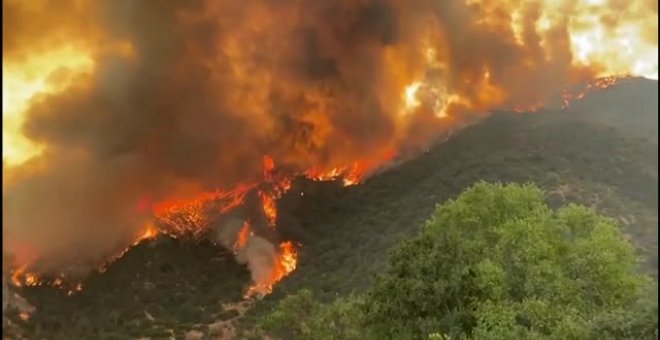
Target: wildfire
[119,107]
[22,83]
[269,205]
[598,84]
[285,263]
[243,237]
[569,96]
[150,232]
[352,174]
[277,186]
[410,96]
[193,218]
[21,278]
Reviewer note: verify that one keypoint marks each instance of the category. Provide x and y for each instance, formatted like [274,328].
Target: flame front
[195,217]
[268,203]
[118,134]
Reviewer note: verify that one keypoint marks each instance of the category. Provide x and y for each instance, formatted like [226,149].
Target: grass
[602,152]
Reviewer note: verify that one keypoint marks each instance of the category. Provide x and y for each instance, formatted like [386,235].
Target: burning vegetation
[202,216]
[125,120]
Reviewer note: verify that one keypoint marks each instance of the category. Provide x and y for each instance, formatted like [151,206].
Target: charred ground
[602,152]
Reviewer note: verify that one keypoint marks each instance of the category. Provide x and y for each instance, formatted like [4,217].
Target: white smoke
[258,253]
[227,233]
[260,256]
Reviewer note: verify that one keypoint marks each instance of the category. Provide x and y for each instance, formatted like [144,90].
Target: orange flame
[269,167]
[179,217]
[278,187]
[243,236]
[16,276]
[285,263]
[31,279]
[351,174]
[270,209]
[150,232]
[569,96]
[598,84]
[628,48]
[193,217]
[22,278]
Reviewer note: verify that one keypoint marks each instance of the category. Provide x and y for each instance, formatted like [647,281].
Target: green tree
[497,263]
[293,316]
[299,316]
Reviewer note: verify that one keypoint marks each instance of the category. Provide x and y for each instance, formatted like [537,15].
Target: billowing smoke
[255,251]
[171,98]
[260,256]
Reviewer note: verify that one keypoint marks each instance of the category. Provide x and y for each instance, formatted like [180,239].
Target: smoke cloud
[183,97]
[257,252]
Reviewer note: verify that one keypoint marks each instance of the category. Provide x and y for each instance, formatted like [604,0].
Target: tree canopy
[495,263]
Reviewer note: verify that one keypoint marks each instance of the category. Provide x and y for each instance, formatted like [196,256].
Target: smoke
[259,254]
[183,97]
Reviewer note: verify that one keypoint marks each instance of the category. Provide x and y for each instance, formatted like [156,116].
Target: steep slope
[602,152]
[576,155]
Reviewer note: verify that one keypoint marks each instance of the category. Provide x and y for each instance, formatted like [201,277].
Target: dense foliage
[496,263]
[300,316]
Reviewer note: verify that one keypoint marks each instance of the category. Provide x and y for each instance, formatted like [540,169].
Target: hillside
[602,152]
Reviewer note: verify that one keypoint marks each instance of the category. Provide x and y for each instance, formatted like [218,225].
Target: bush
[497,263]
[299,316]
